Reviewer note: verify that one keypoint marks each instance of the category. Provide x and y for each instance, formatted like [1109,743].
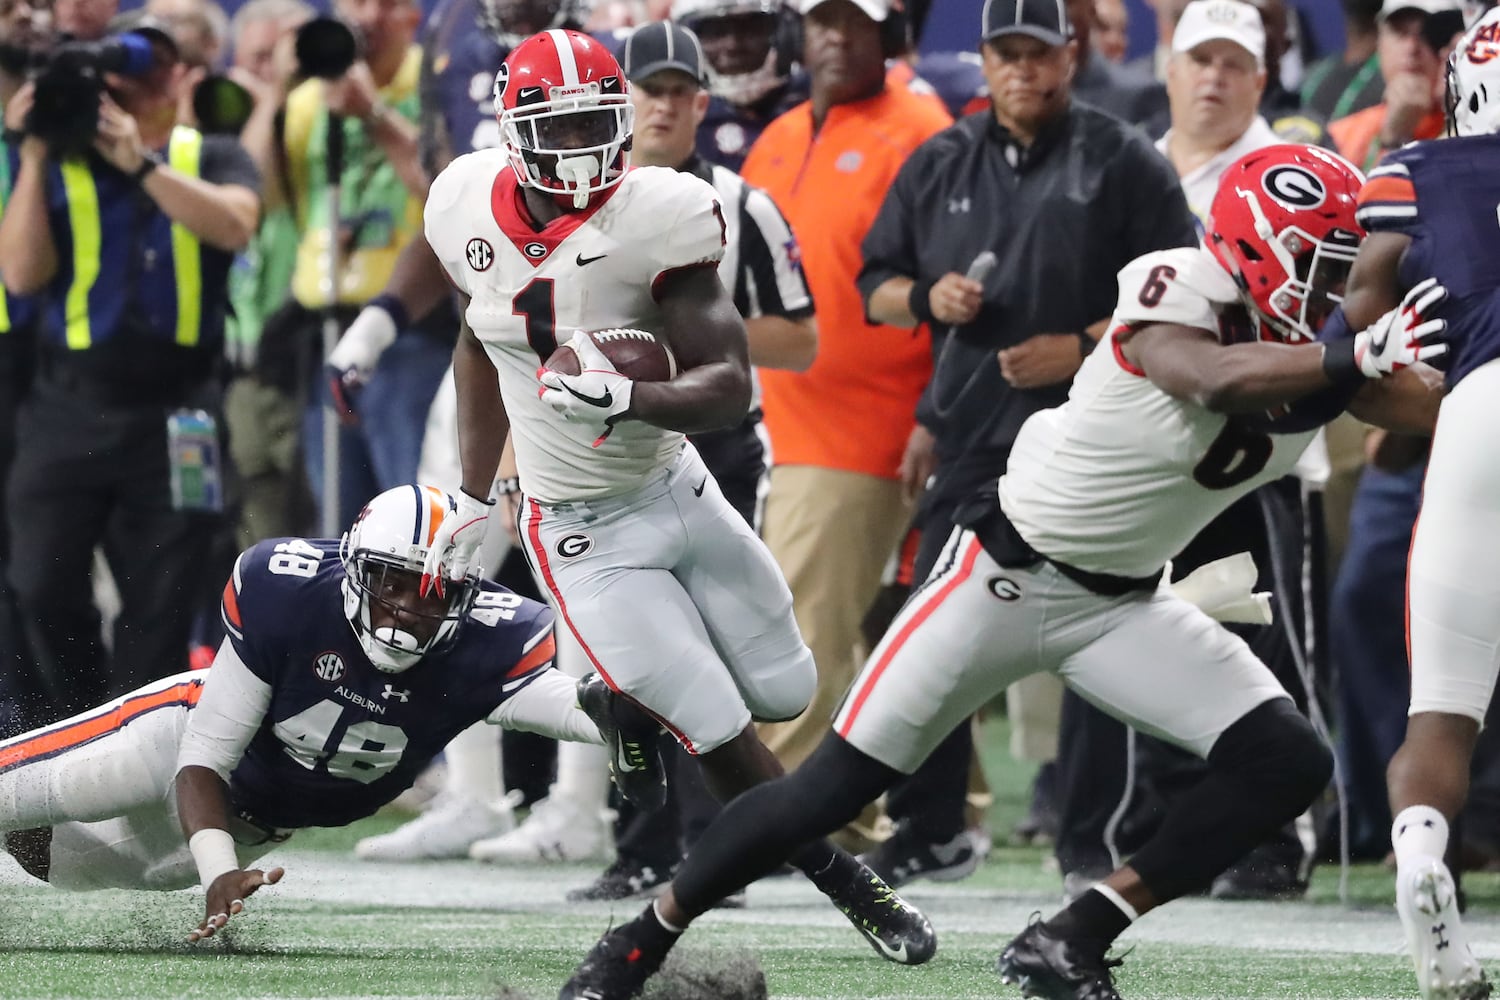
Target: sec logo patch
[329,666]
[480,254]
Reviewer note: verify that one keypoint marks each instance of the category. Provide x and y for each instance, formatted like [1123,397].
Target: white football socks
[1419,832]
[474,768]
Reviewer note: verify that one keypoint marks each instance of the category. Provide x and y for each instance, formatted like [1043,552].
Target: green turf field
[338,928]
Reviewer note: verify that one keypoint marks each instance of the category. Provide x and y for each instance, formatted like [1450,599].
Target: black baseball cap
[1046,20]
[661,45]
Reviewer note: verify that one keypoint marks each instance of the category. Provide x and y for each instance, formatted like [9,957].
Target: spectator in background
[201,28]
[835,509]
[751,47]
[1410,35]
[1124,92]
[1343,83]
[382,187]
[1280,106]
[128,249]
[25,31]
[1111,29]
[1154,63]
[260,404]
[1064,196]
[85,20]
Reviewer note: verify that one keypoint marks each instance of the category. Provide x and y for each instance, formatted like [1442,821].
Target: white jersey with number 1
[531,289]
[1122,476]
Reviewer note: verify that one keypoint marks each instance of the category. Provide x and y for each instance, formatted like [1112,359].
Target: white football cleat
[450,824]
[558,829]
[1428,905]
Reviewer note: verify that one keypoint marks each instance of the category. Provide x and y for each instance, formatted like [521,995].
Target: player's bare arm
[1373,288]
[482,422]
[1406,403]
[233,706]
[707,336]
[1191,364]
[203,807]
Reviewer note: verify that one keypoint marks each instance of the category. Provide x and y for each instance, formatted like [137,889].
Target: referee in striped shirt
[666,68]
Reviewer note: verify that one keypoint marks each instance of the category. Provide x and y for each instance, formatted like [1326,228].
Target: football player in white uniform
[1061,569]
[673,598]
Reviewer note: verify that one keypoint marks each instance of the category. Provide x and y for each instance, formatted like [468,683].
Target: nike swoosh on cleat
[582,260]
[894,954]
[599,401]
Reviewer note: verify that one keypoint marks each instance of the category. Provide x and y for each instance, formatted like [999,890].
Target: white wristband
[213,852]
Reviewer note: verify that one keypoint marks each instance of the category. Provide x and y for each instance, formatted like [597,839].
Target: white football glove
[597,396]
[455,544]
[359,349]
[1403,336]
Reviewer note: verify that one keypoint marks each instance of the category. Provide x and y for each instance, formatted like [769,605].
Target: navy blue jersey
[729,130]
[341,738]
[1443,194]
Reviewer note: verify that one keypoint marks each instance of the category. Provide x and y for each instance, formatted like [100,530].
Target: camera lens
[325,48]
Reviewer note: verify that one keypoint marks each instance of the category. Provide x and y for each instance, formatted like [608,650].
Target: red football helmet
[565,115]
[1282,224]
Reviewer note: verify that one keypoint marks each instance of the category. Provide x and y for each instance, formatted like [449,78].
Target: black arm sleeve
[224,161]
[1148,192]
[889,248]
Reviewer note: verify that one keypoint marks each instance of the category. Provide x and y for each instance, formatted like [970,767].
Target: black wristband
[149,162]
[484,500]
[1339,364]
[12,136]
[393,308]
[919,300]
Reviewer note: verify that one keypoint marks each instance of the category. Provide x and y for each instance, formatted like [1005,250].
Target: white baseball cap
[1425,6]
[1232,20]
[875,10]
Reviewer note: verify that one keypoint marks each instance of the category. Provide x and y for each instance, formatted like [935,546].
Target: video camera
[70,82]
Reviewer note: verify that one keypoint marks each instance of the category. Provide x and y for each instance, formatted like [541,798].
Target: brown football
[636,354]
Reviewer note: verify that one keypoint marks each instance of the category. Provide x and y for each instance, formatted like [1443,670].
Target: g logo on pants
[572,546]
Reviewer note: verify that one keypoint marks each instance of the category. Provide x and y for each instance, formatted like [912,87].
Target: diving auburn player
[670,594]
[335,686]
[1061,567]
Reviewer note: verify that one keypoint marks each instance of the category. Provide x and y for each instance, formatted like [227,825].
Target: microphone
[982,266]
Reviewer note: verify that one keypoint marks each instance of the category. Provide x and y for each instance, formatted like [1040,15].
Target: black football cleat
[898,931]
[631,735]
[623,879]
[1055,968]
[620,963]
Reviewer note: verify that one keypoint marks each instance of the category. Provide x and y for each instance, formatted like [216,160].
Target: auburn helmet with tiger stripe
[392,536]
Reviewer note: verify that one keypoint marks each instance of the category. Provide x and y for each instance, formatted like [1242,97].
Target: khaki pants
[263,442]
[832,533]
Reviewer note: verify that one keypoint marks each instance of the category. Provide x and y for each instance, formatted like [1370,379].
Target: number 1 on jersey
[534,303]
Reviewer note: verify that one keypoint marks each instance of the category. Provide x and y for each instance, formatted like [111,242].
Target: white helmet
[1473,91]
[382,555]
[748,86]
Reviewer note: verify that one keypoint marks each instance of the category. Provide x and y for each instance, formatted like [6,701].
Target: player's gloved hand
[226,897]
[598,395]
[455,544]
[1403,336]
[353,359]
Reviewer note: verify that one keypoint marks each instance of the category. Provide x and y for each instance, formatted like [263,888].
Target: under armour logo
[959,205]
[391,692]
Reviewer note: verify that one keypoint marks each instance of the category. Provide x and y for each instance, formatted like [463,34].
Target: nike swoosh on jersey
[582,260]
[599,401]
[698,490]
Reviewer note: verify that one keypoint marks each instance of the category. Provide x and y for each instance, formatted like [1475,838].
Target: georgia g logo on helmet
[1295,187]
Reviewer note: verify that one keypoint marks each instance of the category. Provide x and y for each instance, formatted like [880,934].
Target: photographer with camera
[25,32]
[370,110]
[123,225]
